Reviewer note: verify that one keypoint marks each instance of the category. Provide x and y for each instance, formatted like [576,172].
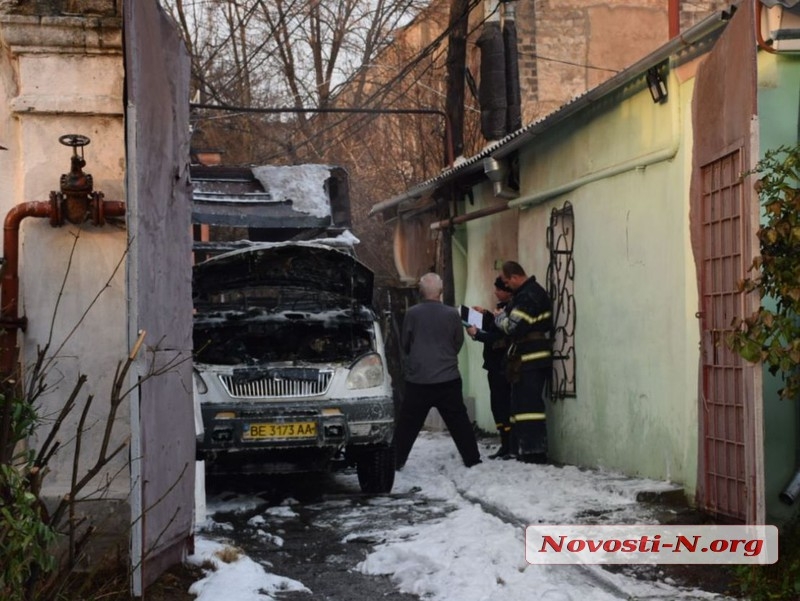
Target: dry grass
[229,554]
[107,585]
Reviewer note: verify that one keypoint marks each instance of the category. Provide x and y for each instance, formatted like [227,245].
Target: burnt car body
[290,368]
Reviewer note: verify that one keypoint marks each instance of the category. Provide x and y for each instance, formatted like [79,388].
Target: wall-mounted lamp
[656,85]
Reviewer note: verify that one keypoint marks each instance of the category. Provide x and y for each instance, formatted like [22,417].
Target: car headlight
[366,372]
[199,384]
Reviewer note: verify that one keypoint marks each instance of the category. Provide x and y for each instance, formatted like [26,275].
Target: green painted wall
[636,335]
[778,95]
[487,241]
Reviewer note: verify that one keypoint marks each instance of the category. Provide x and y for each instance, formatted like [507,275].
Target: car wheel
[376,470]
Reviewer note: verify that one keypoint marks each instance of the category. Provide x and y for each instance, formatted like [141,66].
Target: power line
[411,111]
[566,62]
[356,125]
[380,94]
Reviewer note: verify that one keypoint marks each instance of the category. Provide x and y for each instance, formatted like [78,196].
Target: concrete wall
[88,291]
[63,75]
[163,437]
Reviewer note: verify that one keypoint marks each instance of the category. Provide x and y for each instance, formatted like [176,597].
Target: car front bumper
[266,426]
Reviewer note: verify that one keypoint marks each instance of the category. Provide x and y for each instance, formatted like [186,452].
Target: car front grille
[277,388]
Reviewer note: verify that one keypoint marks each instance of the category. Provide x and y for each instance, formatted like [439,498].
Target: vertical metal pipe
[674,18]
[9,287]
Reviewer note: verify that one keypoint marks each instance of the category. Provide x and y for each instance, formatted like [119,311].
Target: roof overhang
[472,168]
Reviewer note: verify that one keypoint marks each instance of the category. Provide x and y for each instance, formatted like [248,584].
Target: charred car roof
[311,265]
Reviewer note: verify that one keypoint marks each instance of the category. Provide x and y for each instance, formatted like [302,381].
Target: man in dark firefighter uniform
[495,347]
[527,321]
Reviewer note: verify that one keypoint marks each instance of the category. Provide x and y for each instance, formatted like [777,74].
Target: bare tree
[282,53]
[315,55]
[45,531]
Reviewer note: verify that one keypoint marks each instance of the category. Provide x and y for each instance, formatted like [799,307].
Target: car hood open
[310,265]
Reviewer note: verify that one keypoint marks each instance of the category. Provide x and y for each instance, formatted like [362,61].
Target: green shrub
[25,535]
[771,335]
[779,581]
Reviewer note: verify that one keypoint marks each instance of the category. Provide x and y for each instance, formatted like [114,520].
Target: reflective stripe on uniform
[528,318]
[527,417]
[534,356]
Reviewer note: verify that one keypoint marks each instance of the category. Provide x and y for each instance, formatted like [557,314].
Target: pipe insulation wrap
[513,96]
[492,91]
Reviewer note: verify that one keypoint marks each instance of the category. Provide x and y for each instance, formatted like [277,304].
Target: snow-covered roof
[265,196]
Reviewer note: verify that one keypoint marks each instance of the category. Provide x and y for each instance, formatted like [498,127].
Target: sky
[474,551]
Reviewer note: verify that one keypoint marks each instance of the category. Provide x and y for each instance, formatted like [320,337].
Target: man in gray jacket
[432,335]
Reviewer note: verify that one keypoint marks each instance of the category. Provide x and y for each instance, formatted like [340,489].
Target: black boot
[539,458]
[505,449]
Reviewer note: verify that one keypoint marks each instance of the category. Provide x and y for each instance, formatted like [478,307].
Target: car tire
[375,470]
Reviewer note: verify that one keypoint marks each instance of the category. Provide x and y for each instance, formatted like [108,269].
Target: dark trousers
[500,399]
[446,398]
[529,425]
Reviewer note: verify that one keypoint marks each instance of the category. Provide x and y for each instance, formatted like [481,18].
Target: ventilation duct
[498,175]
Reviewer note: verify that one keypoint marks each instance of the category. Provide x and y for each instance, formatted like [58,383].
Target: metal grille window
[560,286]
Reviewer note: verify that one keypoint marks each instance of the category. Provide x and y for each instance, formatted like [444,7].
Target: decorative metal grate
[269,388]
[561,286]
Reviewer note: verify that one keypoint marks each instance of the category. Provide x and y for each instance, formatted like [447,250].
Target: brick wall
[567,47]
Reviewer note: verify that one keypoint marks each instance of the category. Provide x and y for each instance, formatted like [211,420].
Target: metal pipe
[674,18]
[789,494]
[759,36]
[10,322]
[9,287]
[107,208]
[485,212]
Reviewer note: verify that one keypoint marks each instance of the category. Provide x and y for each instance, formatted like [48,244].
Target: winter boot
[505,449]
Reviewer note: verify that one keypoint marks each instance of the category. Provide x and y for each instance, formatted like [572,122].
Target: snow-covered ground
[475,550]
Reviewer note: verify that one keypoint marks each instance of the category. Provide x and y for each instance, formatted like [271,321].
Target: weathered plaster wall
[634,287]
[63,75]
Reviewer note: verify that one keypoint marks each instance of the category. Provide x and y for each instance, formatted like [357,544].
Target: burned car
[290,368]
